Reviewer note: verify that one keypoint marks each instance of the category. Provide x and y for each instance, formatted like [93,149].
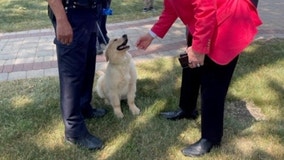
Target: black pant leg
[70,77]
[189,89]
[74,66]
[215,82]
[189,85]
[88,80]
[255,2]
[102,20]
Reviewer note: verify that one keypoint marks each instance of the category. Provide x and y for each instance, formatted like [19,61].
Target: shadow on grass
[261,55]
[147,136]
[240,114]
[31,109]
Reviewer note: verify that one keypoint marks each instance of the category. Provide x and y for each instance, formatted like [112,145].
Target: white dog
[119,80]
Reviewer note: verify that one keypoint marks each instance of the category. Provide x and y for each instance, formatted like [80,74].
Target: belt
[77,5]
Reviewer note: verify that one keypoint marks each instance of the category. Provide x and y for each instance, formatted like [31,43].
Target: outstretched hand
[144,41]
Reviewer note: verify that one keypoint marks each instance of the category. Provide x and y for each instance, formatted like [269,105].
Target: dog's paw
[100,72]
[118,113]
[135,110]
[106,101]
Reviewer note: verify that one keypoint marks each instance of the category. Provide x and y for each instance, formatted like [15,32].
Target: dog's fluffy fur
[119,80]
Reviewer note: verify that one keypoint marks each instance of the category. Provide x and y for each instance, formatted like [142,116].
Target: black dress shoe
[199,148]
[88,141]
[97,113]
[179,114]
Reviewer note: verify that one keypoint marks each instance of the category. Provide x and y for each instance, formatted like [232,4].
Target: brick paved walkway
[31,54]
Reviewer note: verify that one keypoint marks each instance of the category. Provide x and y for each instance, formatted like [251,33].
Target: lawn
[31,125]
[18,15]
[32,128]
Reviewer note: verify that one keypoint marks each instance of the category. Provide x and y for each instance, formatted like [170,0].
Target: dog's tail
[100,72]
[100,69]
[99,86]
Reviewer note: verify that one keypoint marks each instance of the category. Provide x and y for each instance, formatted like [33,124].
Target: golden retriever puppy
[119,80]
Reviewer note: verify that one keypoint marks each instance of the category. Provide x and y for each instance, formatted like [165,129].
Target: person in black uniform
[74,22]
[103,39]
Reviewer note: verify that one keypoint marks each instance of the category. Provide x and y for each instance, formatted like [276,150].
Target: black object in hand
[183,60]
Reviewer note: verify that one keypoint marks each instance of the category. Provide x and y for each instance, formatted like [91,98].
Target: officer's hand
[64,32]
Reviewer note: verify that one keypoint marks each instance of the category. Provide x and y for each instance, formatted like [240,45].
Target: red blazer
[220,28]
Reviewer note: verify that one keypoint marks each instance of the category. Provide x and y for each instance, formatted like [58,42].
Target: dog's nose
[124,36]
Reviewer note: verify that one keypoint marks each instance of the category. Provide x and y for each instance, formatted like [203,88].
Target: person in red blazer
[219,30]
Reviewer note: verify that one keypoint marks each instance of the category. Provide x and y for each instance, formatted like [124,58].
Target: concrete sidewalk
[31,54]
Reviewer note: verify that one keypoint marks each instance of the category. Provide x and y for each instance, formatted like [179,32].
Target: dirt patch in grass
[244,110]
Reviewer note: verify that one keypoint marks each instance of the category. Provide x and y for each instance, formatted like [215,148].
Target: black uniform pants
[76,66]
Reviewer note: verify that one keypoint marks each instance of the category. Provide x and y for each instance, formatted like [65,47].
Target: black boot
[179,114]
[88,141]
[96,113]
[199,148]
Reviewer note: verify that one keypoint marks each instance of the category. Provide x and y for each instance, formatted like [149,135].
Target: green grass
[19,15]
[32,128]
